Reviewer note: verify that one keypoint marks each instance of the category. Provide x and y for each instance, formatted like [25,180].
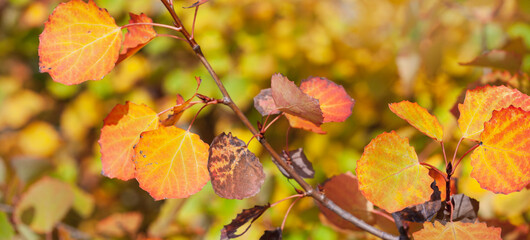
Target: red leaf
[264,103]
[419,118]
[251,214]
[390,175]
[335,103]
[457,231]
[171,163]
[80,42]
[121,131]
[290,99]
[344,191]
[235,171]
[137,36]
[501,163]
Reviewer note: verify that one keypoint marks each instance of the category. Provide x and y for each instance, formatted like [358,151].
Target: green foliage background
[381,51]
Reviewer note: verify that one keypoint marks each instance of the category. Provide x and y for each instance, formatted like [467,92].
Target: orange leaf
[171,163]
[137,36]
[298,122]
[177,111]
[457,231]
[290,99]
[121,131]
[335,103]
[419,118]
[390,175]
[120,224]
[501,163]
[481,102]
[344,191]
[80,42]
[235,171]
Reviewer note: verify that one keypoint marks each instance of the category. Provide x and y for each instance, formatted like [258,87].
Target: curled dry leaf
[290,99]
[171,163]
[251,214]
[121,131]
[236,172]
[299,163]
[501,163]
[344,191]
[137,36]
[264,103]
[80,42]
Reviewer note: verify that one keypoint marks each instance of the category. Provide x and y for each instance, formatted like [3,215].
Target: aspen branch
[309,190]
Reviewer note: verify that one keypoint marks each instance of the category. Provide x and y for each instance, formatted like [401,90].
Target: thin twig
[462,157]
[456,150]
[318,196]
[151,24]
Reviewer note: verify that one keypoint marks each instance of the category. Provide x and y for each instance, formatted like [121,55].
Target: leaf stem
[465,154]
[289,210]
[273,120]
[151,24]
[443,150]
[309,190]
[456,150]
[171,36]
[435,169]
[287,198]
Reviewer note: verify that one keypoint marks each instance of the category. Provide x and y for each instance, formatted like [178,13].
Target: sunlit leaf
[137,36]
[264,103]
[480,103]
[44,204]
[390,175]
[236,172]
[290,99]
[419,118]
[457,231]
[177,111]
[120,224]
[121,131]
[171,163]
[498,59]
[344,191]
[501,163]
[251,214]
[335,103]
[298,122]
[80,42]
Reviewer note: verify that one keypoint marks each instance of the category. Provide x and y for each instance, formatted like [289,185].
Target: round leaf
[390,175]
[419,118]
[171,163]
[501,163]
[335,103]
[121,131]
[80,42]
[137,36]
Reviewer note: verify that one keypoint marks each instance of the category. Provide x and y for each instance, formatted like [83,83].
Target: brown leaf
[290,99]
[299,163]
[236,173]
[264,103]
[275,234]
[251,214]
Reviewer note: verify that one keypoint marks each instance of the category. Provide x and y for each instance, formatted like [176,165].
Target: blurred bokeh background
[381,51]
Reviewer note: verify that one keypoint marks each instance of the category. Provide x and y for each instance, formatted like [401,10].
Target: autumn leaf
[335,103]
[290,99]
[235,171]
[264,103]
[501,163]
[47,201]
[390,175]
[298,122]
[343,190]
[171,163]
[419,118]
[298,162]
[80,42]
[481,102]
[497,59]
[121,131]
[120,224]
[137,36]
[251,214]
[177,111]
[457,231]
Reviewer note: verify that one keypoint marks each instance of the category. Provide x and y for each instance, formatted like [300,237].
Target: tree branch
[310,191]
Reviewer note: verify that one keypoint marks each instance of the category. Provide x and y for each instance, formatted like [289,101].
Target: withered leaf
[177,111]
[425,211]
[236,173]
[290,99]
[299,163]
[465,209]
[251,214]
[264,103]
[275,234]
